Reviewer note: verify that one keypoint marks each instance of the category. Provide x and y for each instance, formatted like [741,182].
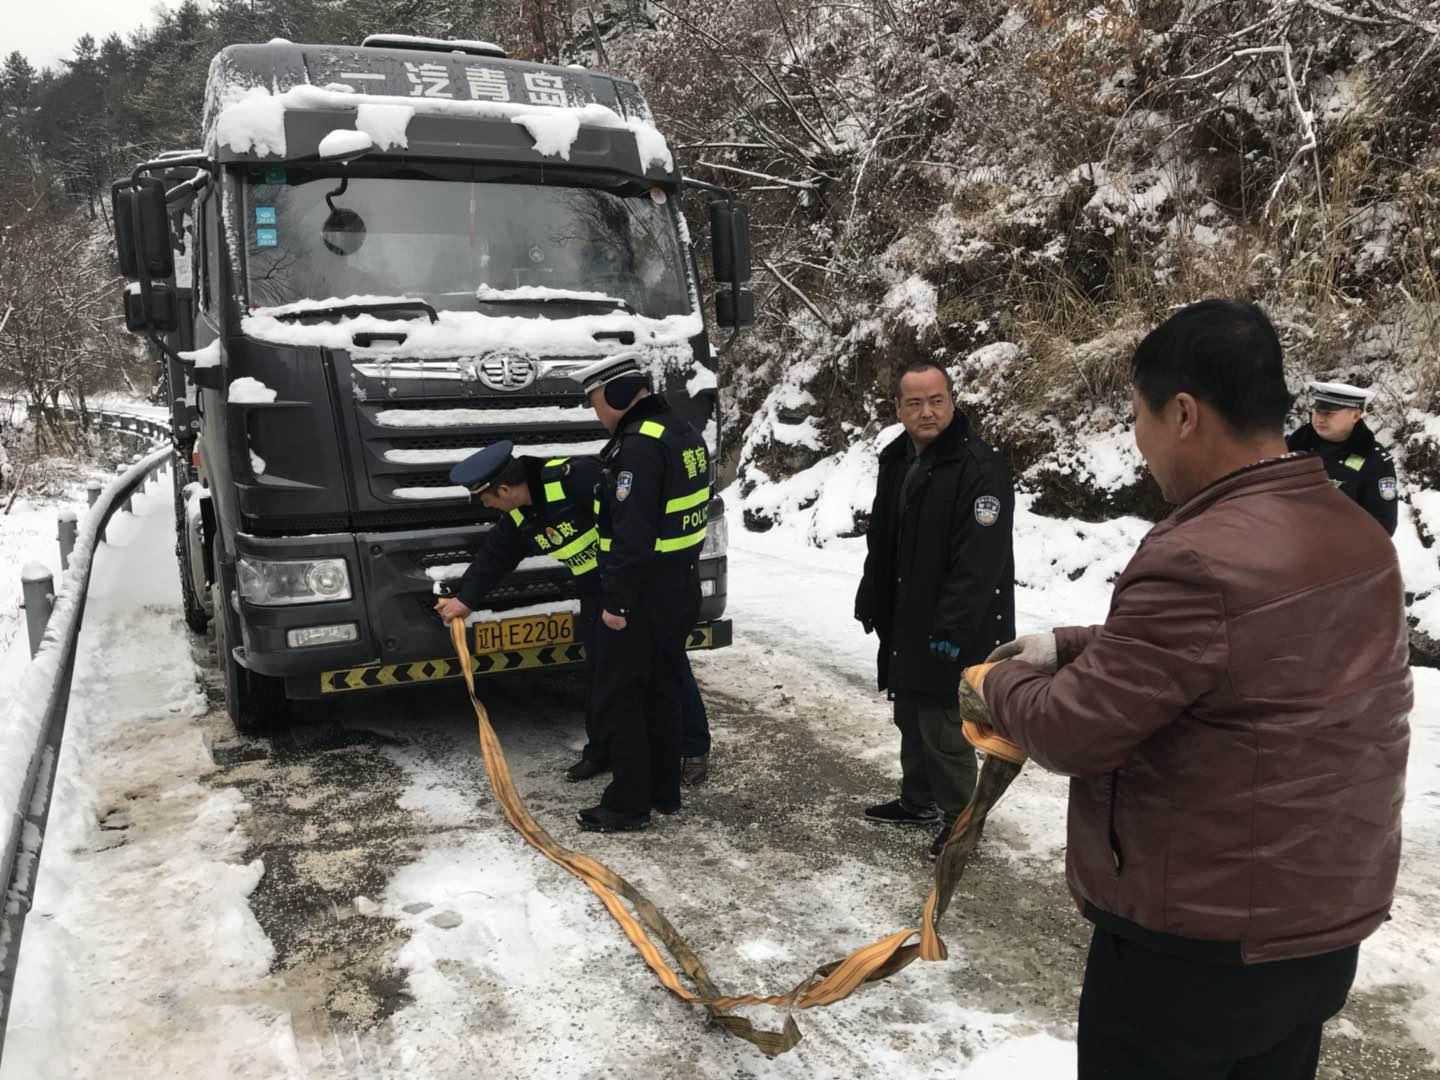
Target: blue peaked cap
[477,470]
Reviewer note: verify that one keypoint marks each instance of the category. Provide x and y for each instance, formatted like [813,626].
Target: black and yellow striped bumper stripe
[379,676]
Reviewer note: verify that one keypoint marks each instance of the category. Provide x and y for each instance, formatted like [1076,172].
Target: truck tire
[256,703]
[196,617]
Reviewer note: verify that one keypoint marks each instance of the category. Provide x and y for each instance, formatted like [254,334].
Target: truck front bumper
[398,638]
[711,635]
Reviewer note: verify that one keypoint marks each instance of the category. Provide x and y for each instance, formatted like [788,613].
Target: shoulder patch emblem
[1387,488]
[987,510]
[623,483]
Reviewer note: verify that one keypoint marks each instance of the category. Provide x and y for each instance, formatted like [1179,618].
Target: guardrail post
[69,526]
[37,587]
[92,492]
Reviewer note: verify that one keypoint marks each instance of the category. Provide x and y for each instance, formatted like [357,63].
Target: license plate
[527,632]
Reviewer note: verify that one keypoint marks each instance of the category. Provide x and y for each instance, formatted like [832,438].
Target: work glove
[1037,650]
[944,650]
[975,717]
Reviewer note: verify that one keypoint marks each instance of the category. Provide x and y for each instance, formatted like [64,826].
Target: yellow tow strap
[830,983]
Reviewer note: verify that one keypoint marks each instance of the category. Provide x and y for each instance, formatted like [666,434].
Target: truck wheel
[256,703]
[196,617]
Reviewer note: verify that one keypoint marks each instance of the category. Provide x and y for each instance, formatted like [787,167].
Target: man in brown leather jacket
[1237,730]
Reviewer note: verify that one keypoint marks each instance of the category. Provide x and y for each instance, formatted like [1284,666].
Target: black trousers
[638,693]
[694,721]
[1148,1015]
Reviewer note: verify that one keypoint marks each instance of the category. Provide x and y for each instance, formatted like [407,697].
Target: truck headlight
[292,581]
[717,538]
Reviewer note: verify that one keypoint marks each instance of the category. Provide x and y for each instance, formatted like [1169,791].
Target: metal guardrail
[20,861]
[142,426]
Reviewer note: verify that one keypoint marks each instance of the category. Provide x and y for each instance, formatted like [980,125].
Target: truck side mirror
[730,241]
[161,315]
[735,309]
[142,228]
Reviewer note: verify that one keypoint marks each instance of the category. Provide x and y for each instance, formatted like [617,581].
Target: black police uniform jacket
[654,506]
[940,566]
[552,526]
[1359,466]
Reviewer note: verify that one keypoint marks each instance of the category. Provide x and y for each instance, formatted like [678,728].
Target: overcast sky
[46,30]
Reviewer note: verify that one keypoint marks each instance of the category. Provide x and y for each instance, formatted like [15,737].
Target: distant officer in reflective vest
[652,512]
[1354,461]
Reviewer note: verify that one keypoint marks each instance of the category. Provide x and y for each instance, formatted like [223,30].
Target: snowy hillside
[1022,190]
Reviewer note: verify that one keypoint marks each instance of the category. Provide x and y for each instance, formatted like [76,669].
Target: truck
[381,259]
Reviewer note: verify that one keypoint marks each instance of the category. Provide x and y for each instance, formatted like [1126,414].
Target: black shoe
[940,838]
[584,769]
[667,809]
[694,770]
[896,812]
[600,819]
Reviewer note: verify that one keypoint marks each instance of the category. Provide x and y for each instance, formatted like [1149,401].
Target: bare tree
[58,301]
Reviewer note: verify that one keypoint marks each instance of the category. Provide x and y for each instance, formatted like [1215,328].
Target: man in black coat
[1356,464]
[938,588]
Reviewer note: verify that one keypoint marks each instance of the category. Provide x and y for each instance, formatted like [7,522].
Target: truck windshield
[462,244]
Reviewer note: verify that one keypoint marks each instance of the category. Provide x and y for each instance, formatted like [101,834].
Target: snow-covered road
[348,902]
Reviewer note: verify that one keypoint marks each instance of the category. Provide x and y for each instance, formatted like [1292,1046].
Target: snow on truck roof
[277,102]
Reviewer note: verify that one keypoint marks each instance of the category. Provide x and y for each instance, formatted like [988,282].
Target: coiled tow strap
[829,983]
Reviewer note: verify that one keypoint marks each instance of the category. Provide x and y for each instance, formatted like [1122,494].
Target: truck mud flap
[714,635]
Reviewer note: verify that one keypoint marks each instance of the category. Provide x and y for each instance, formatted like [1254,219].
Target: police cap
[1329,396]
[607,370]
[479,470]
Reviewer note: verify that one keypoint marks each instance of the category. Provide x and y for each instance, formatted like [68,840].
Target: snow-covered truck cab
[400,253]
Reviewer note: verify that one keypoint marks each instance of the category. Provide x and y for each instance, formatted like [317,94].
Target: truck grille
[409,442]
[446,558]
[513,595]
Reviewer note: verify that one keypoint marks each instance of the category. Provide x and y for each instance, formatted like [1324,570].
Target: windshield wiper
[344,311]
[550,296]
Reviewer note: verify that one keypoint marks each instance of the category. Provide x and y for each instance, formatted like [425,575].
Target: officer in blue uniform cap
[1355,462]
[478,471]
[653,511]
[546,508]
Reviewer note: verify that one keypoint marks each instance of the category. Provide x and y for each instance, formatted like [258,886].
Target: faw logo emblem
[505,372]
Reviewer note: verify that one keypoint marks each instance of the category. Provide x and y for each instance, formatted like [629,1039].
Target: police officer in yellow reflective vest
[652,511]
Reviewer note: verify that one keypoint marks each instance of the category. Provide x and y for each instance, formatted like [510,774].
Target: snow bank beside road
[1406,950]
[23,721]
[1068,564]
[141,956]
